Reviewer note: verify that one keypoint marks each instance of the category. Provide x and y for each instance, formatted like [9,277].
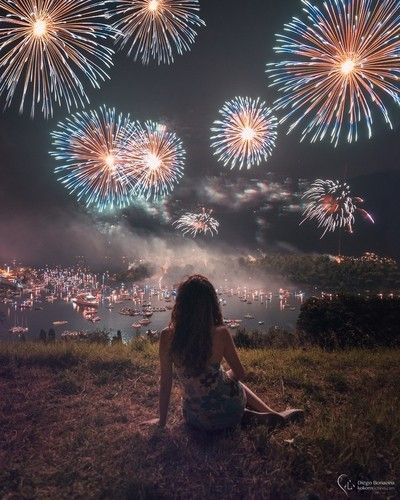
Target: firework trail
[246,134]
[194,224]
[46,46]
[157,160]
[92,147]
[164,270]
[331,204]
[155,29]
[345,63]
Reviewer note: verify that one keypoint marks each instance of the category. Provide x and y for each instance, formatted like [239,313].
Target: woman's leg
[257,412]
[254,402]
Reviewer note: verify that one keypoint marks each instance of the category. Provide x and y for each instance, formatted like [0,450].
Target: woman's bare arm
[231,356]
[165,377]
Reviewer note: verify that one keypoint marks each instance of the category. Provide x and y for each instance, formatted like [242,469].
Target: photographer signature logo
[345,484]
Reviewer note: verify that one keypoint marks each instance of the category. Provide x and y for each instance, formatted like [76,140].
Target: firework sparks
[348,63]
[44,47]
[331,204]
[246,134]
[194,224]
[92,147]
[154,29]
[157,160]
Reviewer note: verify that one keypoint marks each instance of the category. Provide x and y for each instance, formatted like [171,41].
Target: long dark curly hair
[195,314]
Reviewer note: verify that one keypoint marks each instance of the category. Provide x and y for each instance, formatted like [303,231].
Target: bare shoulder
[222,332]
[166,335]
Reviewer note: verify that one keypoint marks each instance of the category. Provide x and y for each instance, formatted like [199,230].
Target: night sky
[39,221]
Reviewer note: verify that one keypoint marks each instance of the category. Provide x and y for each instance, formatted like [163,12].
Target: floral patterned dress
[211,401]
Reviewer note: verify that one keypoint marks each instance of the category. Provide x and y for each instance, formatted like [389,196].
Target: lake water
[272,313]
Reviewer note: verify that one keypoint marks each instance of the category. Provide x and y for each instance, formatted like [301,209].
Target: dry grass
[70,420]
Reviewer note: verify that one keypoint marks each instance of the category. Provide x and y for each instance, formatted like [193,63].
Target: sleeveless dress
[211,401]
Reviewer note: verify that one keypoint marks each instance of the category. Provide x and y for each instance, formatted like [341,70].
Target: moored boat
[86,300]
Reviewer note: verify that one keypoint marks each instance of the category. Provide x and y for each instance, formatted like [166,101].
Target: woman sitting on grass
[195,343]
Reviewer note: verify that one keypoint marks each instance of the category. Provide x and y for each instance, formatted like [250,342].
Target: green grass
[71,414]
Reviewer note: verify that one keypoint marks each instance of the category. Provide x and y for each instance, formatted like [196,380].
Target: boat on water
[248,316]
[89,315]
[95,319]
[27,304]
[86,300]
[136,326]
[144,322]
[60,323]
[127,311]
[283,294]
[261,322]
[18,330]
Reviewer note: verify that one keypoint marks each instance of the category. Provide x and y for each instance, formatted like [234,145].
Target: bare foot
[293,415]
[269,419]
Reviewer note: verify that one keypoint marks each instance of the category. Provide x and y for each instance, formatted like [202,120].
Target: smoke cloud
[110,242]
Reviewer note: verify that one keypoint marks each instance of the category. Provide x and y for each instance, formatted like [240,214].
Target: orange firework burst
[45,44]
[348,64]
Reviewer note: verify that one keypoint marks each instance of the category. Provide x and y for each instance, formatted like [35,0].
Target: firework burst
[157,160]
[92,147]
[331,204]
[246,134]
[348,63]
[45,47]
[194,224]
[155,29]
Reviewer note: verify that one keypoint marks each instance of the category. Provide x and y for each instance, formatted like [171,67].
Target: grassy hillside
[71,414]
